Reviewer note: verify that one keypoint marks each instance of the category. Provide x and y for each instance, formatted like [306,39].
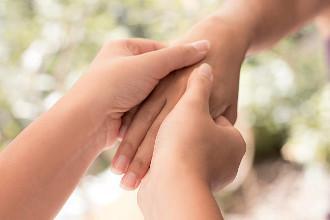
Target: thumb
[166,60]
[199,87]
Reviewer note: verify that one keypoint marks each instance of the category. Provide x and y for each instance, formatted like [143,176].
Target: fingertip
[206,71]
[129,181]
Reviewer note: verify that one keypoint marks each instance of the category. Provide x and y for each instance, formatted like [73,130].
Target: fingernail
[206,70]
[129,181]
[202,45]
[120,165]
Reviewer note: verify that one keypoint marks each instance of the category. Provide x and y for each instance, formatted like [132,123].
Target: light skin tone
[43,164]
[259,25]
[191,157]
[323,22]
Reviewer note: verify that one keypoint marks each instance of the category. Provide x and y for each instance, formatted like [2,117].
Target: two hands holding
[188,148]
[166,107]
[189,144]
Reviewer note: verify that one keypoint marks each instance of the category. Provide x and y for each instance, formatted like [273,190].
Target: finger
[126,121]
[199,87]
[133,46]
[135,134]
[173,58]
[142,159]
[138,46]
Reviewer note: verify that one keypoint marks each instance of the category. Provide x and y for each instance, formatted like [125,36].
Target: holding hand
[124,73]
[225,57]
[62,143]
[192,153]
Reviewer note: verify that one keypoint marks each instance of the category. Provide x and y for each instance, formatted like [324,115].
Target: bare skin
[259,25]
[194,155]
[323,22]
[42,165]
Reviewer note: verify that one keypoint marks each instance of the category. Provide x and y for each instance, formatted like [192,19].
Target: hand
[138,142]
[124,73]
[191,145]
[189,135]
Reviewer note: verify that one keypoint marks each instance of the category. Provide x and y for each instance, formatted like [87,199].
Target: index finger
[134,46]
[166,60]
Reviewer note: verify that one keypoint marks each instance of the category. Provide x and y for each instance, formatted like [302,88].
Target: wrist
[223,33]
[92,112]
[177,181]
[229,44]
[179,166]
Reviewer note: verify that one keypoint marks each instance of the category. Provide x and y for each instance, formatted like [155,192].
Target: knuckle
[128,146]
[132,47]
[122,43]
[140,165]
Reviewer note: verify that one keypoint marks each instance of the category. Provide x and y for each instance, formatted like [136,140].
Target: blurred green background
[284,101]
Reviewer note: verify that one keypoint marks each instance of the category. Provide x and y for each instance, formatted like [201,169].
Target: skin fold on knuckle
[127,146]
[131,47]
[140,166]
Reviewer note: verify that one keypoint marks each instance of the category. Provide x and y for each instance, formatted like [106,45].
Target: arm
[238,27]
[42,166]
[264,22]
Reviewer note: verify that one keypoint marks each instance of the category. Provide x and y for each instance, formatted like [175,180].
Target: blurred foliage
[45,45]
[282,90]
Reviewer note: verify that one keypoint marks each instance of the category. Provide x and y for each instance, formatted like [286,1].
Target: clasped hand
[124,74]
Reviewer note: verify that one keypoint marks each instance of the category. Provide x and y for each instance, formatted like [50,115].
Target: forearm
[267,21]
[42,166]
[254,24]
[242,26]
[186,197]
